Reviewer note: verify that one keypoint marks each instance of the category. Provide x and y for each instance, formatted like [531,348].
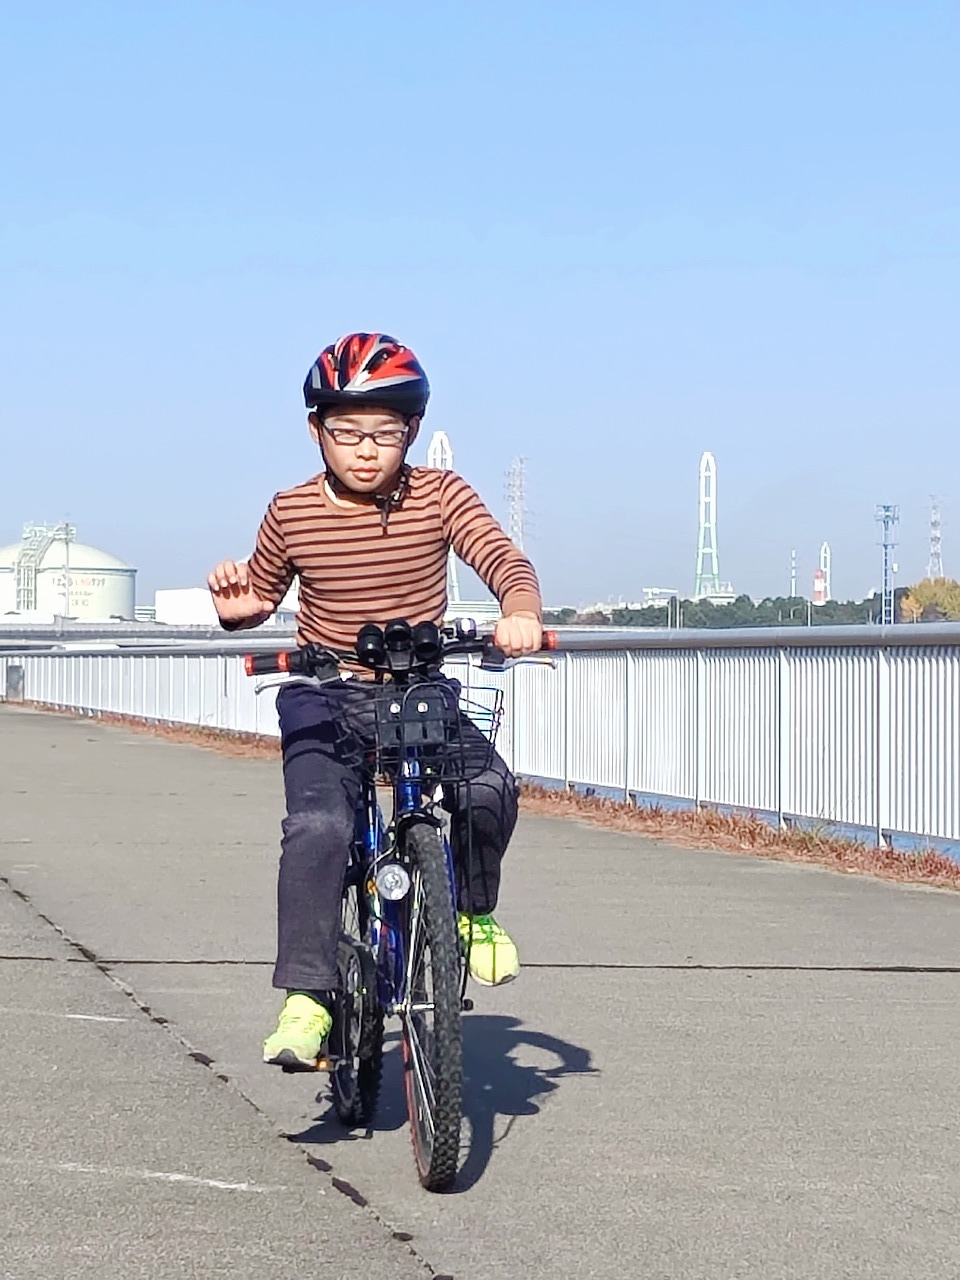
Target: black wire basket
[452,737]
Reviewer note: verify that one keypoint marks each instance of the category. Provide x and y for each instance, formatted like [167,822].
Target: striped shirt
[354,568]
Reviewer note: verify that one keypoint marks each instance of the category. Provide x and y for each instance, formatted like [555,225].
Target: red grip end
[248,664]
[550,640]
[283,661]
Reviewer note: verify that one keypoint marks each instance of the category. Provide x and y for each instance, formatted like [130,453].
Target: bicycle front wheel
[432,1034]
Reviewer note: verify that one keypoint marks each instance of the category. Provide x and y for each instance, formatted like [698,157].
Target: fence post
[567,661]
[784,739]
[883,729]
[700,728]
[629,722]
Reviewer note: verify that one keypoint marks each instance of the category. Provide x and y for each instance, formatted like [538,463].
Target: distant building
[49,573]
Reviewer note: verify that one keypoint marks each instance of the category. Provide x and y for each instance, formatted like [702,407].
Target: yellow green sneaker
[303,1027]
[493,953]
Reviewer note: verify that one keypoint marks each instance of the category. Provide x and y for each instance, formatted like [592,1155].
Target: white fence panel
[662,725]
[738,706]
[833,748]
[925,741]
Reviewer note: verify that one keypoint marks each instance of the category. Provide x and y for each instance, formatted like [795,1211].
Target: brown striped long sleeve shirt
[353,568]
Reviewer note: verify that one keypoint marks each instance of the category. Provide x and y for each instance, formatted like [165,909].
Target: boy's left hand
[518,634]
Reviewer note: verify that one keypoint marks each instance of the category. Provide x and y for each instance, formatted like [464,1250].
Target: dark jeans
[320,729]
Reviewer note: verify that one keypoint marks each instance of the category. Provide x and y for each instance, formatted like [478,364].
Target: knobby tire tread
[438,1167]
[362,1108]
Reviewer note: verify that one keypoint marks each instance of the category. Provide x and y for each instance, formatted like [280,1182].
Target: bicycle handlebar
[388,651]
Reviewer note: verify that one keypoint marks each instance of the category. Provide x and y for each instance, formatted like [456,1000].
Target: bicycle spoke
[419,1061]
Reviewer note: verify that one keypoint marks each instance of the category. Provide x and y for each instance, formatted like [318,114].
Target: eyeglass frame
[399,436]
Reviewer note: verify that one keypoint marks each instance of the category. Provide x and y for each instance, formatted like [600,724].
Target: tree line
[936,600]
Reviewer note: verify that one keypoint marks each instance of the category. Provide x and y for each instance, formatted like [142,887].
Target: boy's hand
[518,634]
[233,596]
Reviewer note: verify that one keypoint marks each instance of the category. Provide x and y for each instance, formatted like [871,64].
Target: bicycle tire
[432,1057]
[356,1038]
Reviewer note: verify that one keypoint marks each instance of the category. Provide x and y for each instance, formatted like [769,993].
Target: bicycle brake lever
[493,659]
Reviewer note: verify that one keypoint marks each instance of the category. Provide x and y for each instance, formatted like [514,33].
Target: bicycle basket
[451,738]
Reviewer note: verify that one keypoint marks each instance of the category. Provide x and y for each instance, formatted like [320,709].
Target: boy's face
[363,447]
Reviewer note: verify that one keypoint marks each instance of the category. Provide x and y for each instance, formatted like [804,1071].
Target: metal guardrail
[853,726]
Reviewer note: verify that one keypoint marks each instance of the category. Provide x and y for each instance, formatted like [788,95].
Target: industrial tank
[48,572]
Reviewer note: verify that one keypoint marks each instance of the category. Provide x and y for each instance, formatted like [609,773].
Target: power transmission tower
[440,455]
[708,560]
[517,501]
[887,516]
[935,563]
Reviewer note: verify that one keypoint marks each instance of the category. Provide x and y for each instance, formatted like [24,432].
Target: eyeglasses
[386,438]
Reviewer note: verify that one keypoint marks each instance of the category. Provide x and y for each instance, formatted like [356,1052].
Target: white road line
[79,1017]
[157,1176]
[150,1175]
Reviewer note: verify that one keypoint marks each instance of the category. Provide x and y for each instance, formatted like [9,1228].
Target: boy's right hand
[233,595]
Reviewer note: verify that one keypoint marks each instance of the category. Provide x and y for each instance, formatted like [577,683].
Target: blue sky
[616,234]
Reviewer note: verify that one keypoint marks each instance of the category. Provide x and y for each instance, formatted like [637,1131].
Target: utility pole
[887,516]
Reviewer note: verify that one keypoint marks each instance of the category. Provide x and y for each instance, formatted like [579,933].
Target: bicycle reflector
[371,650]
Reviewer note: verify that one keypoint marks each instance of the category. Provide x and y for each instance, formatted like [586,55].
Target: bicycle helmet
[370,369]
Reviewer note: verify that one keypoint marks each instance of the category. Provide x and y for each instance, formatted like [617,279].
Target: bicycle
[400,952]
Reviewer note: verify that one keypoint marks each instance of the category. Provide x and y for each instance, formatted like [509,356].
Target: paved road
[711,1068]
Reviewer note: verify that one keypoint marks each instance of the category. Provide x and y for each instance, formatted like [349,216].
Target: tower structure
[517,501]
[821,577]
[826,558]
[887,515]
[935,563]
[440,456]
[708,561]
[793,574]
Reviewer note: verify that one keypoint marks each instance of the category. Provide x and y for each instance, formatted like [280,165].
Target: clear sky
[617,234]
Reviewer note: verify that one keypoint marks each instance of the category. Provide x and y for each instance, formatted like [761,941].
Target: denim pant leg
[484,814]
[321,792]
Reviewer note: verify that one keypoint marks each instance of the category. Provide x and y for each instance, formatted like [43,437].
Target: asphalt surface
[711,1067]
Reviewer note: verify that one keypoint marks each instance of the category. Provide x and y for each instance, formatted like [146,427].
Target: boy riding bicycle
[369,539]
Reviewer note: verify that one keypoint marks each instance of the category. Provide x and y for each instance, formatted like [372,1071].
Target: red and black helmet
[369,369]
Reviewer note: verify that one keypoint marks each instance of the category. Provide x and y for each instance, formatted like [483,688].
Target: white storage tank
[51,573]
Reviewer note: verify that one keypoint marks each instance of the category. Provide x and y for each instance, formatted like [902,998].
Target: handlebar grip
[267,664]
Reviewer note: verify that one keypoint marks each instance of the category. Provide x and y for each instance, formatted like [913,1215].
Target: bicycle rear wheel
[432,1034]
[356,1038]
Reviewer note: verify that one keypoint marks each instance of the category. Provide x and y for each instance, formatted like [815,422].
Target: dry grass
[742,833]
[745,833]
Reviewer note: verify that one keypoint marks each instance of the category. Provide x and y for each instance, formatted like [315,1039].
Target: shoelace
[485,929]
[289,1019]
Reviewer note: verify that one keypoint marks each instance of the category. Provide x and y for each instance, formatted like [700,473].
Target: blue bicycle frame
[386,920]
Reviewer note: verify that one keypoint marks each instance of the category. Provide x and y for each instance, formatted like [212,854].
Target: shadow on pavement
[496,1086]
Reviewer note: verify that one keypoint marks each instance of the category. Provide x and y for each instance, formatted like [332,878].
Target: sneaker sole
[500,982]
[287,1059]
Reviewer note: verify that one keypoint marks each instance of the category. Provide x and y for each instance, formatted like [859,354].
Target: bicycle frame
[387,920]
